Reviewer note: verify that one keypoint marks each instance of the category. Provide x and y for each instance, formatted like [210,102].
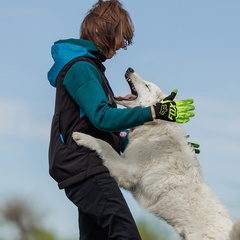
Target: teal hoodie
[83,82]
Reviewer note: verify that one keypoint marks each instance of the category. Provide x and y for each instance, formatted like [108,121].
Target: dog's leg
[125,176]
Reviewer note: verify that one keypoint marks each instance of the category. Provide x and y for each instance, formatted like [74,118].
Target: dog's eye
[147,86]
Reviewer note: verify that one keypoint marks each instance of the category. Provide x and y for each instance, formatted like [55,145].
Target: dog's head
[143,93]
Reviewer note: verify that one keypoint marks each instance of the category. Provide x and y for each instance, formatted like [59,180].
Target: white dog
[161,171]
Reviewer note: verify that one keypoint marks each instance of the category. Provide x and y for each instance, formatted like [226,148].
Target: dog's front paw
[125,181]
[77,137]
[84,140]
[127,185]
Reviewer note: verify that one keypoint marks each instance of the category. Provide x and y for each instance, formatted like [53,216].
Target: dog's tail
[235,233]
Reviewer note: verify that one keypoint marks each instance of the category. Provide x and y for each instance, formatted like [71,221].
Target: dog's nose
[130,70]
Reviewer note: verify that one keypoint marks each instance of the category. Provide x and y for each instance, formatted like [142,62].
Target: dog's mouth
[133,95]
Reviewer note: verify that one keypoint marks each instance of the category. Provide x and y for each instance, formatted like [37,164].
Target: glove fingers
[182,120]
[185,114]
[195,145]
[171,96]
[184,117]
[184,102]
[185,108]
[197,151]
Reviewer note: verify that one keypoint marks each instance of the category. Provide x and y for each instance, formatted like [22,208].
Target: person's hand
[194,145]
[178,111]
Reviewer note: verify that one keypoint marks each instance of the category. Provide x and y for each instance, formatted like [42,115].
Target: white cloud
[18,120]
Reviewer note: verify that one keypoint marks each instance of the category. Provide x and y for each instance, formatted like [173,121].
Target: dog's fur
[161,170]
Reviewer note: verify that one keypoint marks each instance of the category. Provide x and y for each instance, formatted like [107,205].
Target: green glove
[178,111]
[195,146]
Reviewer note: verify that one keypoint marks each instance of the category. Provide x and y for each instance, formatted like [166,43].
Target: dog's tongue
[128,97]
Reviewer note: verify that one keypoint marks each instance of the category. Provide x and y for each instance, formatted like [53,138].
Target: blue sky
[189,45]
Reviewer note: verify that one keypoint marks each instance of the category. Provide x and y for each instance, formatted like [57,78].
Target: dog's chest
[148,142]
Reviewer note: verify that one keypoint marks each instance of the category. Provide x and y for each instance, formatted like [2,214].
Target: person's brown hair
[108,25]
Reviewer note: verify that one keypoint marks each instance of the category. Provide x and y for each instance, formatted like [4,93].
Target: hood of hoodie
[63,51]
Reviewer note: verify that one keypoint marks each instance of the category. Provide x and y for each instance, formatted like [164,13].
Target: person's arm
[84,84]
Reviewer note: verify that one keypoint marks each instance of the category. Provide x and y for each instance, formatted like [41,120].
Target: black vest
[69,163]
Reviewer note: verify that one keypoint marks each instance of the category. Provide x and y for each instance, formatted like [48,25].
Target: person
[85,102]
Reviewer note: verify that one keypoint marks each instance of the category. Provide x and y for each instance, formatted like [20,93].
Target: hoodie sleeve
[83,82]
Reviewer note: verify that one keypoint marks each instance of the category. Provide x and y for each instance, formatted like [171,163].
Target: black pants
[103,211]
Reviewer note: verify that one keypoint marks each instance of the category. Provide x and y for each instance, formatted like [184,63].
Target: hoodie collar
[63,51]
